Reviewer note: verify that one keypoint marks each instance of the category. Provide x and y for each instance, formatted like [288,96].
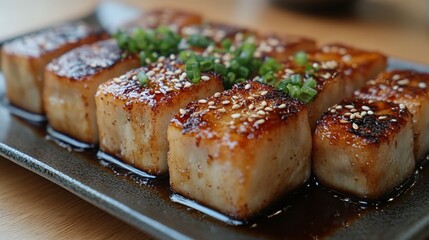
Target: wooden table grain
[34,208]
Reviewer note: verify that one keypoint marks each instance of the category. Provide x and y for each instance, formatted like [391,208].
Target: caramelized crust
[249,109]
[280,47]
[167,81]
[36,44]
[394,85]
[358,65]
[218,31]
[88,60]
[362,122]
[174,19]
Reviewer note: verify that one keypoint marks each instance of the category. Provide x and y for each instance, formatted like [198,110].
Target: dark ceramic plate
[313,212]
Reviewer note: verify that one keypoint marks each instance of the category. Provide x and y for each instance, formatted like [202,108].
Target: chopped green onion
[193,71]
[307,94]
[197,40]
[143,78]
[206,66]
[295,79]
[301,58]
[310,82]
[226,43]
[293,90]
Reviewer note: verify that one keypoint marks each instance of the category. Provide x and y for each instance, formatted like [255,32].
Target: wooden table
[32,207]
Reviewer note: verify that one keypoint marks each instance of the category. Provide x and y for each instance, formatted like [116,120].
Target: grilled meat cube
[364,148]
[240,150]
[410,89]
[359,65]
[133,119]
[24,59]
[71,82]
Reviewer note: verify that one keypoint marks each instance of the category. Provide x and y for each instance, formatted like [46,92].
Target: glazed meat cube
[71,82]
[23,61]
[410,89]
[133,119]
[174,19]
[240,150]
[358,65]
[364,148]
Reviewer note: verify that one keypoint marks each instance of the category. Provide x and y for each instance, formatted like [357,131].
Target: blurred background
[396,27]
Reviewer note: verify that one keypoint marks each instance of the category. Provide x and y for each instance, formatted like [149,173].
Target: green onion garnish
[143,78]
[301,58]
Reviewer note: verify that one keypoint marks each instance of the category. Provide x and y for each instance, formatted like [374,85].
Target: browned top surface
[87,60]
[248,110]
[167,80]
[175,19]
[361,122]
[396,84]
[353,60]
[36,44]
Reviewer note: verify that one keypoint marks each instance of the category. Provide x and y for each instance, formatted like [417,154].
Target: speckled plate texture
[145,204]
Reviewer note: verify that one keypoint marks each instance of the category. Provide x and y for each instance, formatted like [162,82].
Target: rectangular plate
[146,204]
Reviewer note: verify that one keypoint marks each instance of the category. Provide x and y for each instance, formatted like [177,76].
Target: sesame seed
[169,73]
[281,106]
[178,85]
[401,106]
[205,78]
[172,56]
[269,109]
[217,94]
[236,115]
[263,93]
[134,77]
[261,112]
[370,112]
[396,77]
[347,114]
[363,114]
[393,120]
[168,89]
[187,85]
[264,103]
[352,116]
[182,111]
[222,110]
[355,126]
[235,106]
[117,80]
[349,106]
[247,87]
[183,76]
[338,107]
[235,97]
[250,98]
[212,107]
[353,110]
[333,110]
[178,71]
[175,80]
[251,106]
[157,92]
[202,101]
[422,85]
[210,103]
[225,102]
[366,108]
[344,121]
[150,73]
[403,82]
[382,117]
[260,121]
[358,115]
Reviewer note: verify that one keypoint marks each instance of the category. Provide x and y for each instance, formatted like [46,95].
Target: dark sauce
[311,212]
